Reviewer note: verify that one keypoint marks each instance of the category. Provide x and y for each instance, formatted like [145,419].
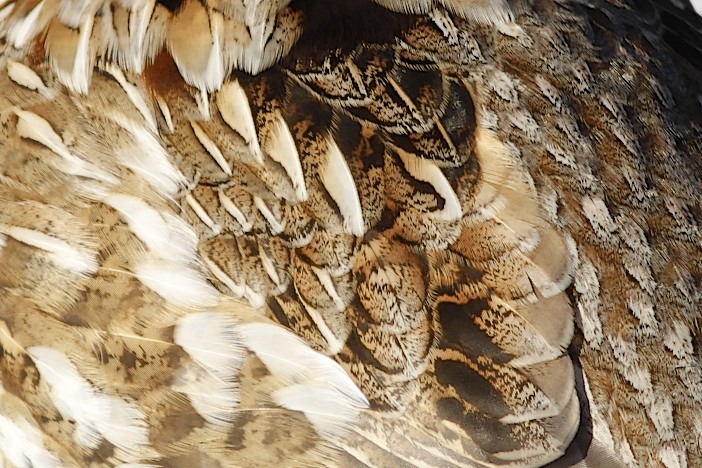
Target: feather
[211,340]
[467,231]
[97,415]
[71,57]
[135,96]
[25,76]
[23,31]
[236,112]
[27,441]
[181,285]
[167,236]
[296,364]
[61,252]
[32,126]
[338,181]
[147,158]
[280,146]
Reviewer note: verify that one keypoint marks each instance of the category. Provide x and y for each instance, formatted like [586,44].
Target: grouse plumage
[372,233]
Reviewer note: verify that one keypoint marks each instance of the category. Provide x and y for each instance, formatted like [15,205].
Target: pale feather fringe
[482,11]
[313,384]
[212,342]
[22,444]
[97,415]
[205,44]
[81,33]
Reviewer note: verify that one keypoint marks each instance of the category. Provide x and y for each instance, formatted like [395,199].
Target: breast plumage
[353,233]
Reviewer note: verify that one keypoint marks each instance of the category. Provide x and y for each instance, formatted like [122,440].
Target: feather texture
[424,233]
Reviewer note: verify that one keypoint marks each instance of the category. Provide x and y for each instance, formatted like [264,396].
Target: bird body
[392,233]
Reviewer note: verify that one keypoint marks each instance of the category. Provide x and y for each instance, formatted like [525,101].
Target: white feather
[596,211]
[276,225]
[165,234]
[5,12]
[338,181]
[280,146]
[407,6]
[215,71]
[290,358]
[210,339]
[482,11]
[211,148]
[135,96]
[672,458]
[97,415]
[269,267]
[697,5]
[678,340]
[253,53]
[63,254]
[30,125]
[202,214]
[328,284]
[25,30]
[234,210]
[255,299]
[202,99]
[125,427]
[305,372]
[166,113]
[214,399]
[149,159]
[270,39]
[22,445]
[238,289]
[429,172]
[139,20]
[211,78]
[320,404]
[71,12]
[178,284]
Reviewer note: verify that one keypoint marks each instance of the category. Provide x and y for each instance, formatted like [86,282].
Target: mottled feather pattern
[463,233]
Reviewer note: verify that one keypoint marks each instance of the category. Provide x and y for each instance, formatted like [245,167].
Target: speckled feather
[424,233]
